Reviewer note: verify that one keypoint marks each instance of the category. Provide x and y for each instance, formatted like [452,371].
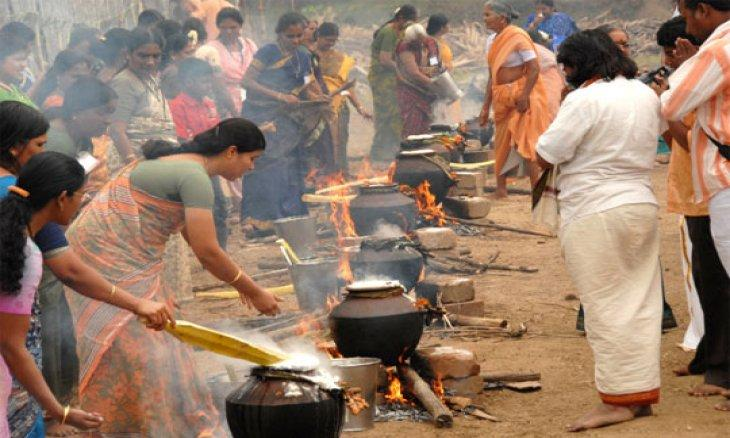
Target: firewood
[458,402]
[478,322]
[508,376]
[480,414]
[422,391]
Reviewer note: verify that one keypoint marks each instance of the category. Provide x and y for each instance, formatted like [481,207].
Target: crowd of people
[185,122]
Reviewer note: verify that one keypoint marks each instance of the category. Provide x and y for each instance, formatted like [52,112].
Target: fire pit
[377,320]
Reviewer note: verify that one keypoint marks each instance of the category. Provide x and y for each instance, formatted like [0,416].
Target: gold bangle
[114,290]
[66,411]
[238,277]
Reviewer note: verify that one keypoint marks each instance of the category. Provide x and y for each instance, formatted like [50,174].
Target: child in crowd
[193,110]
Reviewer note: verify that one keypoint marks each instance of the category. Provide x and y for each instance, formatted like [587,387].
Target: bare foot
[606,415]
[58,430]
[682,371]
[706,390]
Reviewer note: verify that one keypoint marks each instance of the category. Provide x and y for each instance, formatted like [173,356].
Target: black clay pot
[476,156]
[475,130]
[387,260]
[379,204]
[278,404]
[377,321]
[415,167]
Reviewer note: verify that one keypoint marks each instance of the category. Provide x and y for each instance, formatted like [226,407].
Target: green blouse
[175,180]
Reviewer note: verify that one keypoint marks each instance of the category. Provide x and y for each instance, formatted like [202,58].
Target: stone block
[466,207]
[449,289]
[436,238]
[465,387]
[470,308]
[470,179]
[449,362]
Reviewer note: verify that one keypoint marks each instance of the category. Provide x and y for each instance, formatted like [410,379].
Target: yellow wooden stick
[223,343]
[294,257]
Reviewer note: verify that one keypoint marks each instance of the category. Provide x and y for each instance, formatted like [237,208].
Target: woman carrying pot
[127,372]
[418,60]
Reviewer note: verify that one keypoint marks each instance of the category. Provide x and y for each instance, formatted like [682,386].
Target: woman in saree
[143,382]
[418,60]
[23,134]
[438,27]
[143,114]
[515,91]
[550,71]
[14,55]
[383,82]
[336,67]
[235,54]
[68,66]
[142,111]
[279,78]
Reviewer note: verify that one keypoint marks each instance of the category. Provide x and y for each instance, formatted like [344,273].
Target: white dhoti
[613,259]
[696,326]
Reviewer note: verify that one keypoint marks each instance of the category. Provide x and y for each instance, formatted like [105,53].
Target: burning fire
[451,141]
[391,172]
[307,324]
[332,302]
[438,387]
[395,389]
[422,303]
[342,220]
[311,178]
[366,170]
[426,202]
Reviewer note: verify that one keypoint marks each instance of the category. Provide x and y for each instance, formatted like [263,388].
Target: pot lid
[374,286]
[421,137]
[417,152]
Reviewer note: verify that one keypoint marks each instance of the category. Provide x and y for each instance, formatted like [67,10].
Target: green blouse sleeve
[388,40]
[196,190]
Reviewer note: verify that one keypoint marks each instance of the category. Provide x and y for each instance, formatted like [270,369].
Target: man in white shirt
[603,143]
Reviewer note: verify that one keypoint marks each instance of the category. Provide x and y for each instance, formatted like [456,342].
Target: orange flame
[366,170]
[332,302]
[391,172]
[344,226]
[422,303]
[426,202]
[311,177]
[395,389]
[330,349]
[438,387]
[307,324]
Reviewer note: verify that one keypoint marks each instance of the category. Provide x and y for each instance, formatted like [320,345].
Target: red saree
[415,102]
[140,381]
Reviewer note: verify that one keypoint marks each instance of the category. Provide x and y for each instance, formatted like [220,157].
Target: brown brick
[471,308]
[466,207]
[470,179]
[467,387]
[436,238]
[450,363]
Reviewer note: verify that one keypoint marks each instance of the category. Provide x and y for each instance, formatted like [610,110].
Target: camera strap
[722,148]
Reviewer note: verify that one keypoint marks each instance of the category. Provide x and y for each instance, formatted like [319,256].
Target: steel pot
[377,320]
[284,404]
[378,204]
[387,259]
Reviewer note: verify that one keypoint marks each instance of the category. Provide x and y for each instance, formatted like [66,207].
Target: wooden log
[498,227]
[509,376]
[422,391]
[478,322]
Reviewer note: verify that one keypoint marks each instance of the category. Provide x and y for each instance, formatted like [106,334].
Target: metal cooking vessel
[378,204]
[445,88]
[284,404]
[387,260]
[414,167]
[376,320]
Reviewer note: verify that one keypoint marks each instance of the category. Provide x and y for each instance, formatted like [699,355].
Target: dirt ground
[551,345]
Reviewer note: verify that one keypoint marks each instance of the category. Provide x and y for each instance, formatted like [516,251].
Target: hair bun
[157,148]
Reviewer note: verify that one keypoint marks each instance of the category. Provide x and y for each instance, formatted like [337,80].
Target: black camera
[650,77]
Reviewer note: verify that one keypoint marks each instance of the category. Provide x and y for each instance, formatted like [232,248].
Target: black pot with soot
[376,320]
[412,168]
[382,204]
[387,259]
[277,403]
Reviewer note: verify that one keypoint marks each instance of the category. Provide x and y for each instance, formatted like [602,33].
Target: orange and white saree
[512,128]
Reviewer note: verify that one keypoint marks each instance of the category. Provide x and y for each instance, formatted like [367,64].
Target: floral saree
[141,382]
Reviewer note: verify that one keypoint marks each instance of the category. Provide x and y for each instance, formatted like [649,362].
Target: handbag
[722,148]
[545,209]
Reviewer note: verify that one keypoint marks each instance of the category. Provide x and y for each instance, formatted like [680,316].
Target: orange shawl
[515,129]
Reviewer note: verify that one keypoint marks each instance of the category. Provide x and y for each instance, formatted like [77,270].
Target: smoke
[385,230]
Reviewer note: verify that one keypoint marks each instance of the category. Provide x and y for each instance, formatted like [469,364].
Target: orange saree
[512,128]
[142,382]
